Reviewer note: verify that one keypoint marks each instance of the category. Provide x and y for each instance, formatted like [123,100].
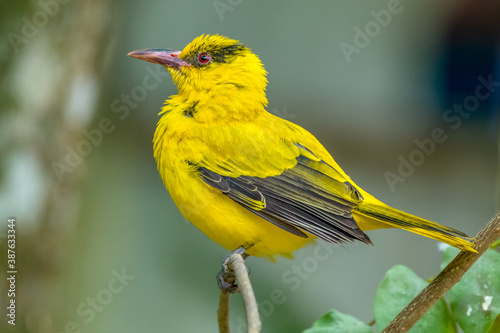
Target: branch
[237,265]
[223,312]
[445,280]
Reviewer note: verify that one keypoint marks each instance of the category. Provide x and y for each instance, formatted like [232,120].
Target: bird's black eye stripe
[219,55]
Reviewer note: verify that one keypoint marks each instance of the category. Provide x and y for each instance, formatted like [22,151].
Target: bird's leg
[226,278]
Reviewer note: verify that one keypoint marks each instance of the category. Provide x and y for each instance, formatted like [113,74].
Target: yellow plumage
[248,178]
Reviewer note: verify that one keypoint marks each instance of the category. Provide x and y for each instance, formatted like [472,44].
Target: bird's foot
[226,279]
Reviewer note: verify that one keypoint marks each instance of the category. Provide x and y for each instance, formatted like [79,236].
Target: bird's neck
[221,103]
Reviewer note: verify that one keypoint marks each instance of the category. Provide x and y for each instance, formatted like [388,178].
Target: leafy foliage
[399,286]
[475,300]
[473,303]
[337,322]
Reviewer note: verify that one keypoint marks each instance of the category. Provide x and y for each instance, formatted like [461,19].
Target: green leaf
[337,322]
[475,300]
[399,286]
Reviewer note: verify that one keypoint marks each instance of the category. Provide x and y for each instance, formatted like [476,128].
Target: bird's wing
[300,194]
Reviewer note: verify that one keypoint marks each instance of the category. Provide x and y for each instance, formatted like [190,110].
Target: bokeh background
[77,171]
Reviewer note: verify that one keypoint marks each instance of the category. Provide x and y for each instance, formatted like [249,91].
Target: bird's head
[214,65]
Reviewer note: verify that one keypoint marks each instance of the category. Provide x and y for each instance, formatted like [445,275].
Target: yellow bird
[247,178]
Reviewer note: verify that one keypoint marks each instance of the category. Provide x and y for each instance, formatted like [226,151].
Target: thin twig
[223,312]
[445,280]
[237,264]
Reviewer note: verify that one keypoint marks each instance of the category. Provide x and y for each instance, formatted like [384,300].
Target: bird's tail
[385,216]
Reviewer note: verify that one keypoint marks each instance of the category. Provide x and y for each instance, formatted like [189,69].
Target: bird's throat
[223,102]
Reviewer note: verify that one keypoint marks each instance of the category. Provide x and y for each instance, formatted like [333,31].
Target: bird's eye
[204,58]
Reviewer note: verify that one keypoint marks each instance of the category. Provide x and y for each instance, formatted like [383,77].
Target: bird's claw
[226,279]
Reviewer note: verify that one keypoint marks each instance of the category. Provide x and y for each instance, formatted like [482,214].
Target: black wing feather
[294,203]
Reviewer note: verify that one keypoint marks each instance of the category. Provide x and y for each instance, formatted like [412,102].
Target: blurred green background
[100,245]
